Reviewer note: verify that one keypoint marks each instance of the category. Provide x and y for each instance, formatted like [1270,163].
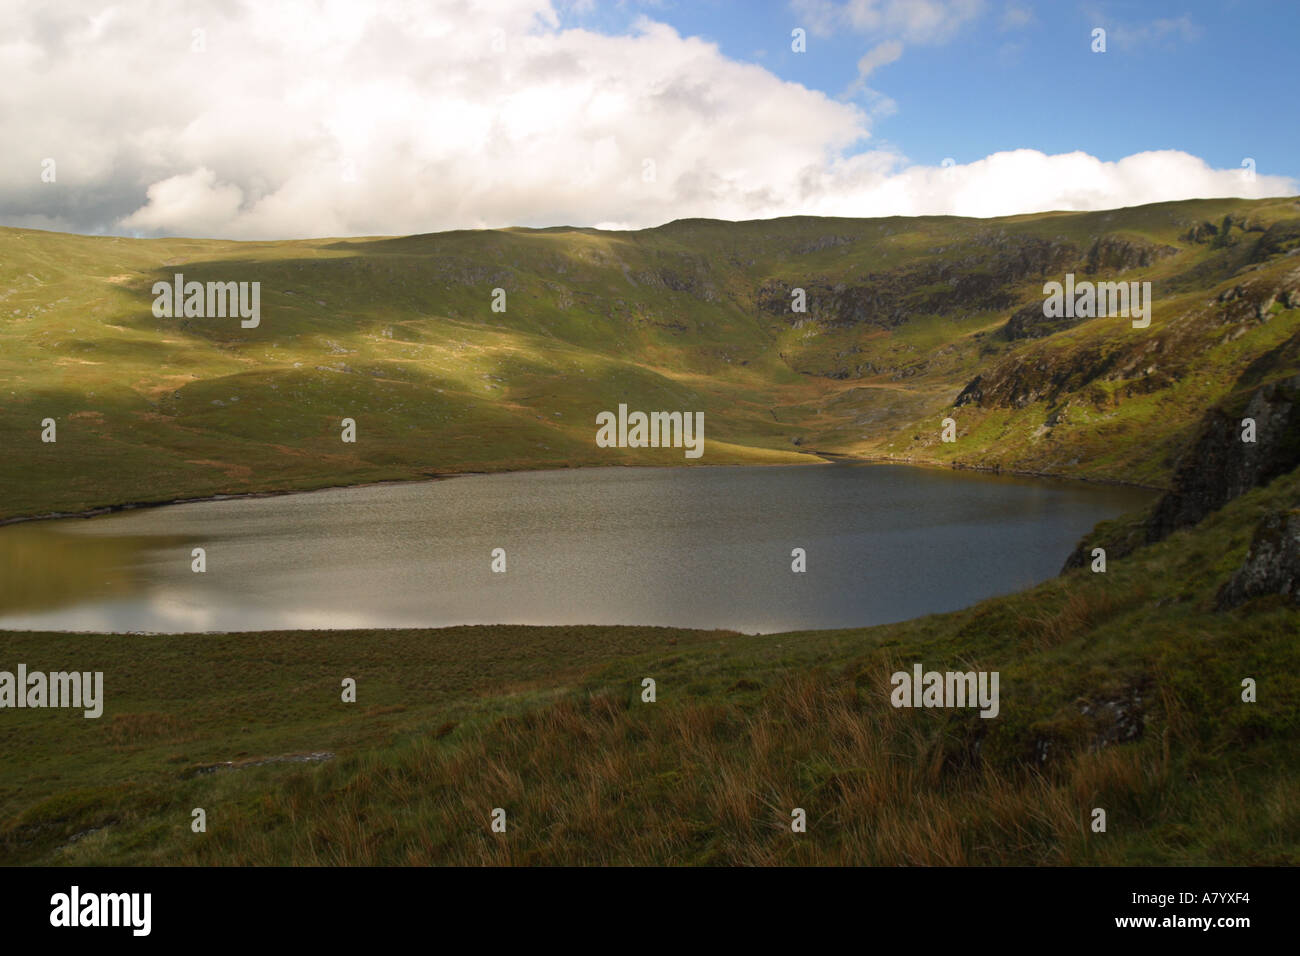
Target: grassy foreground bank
[1119,691]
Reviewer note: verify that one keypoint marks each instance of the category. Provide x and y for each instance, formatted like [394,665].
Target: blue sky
[1215,79]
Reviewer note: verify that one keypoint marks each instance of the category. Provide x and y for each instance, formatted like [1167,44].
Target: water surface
[690,547]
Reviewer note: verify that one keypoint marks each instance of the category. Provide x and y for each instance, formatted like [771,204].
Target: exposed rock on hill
[1115,254]
[1108,255]
[1220,466]
[1272,565]
[1028,322]
[1050,375]
[982,278]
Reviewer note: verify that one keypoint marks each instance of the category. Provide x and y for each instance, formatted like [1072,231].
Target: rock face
[981,276]
[1272,565]
[1220,466]
[1279,239]
[1108,255]
[1113,254]
[1141,363]
[1202,232]
[1028,322]
[1050,375]
[972,394]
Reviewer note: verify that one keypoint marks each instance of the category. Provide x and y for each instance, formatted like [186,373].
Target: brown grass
[607,779]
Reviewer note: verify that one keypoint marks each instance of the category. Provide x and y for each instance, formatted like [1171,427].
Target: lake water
[690,547]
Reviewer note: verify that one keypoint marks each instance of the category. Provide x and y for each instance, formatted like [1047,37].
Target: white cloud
[194,198]
[309,119]
[390,118]
[1026,180]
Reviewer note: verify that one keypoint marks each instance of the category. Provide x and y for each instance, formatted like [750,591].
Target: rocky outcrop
[1048,376]
[1102,721]
[1107,256]
[1111,255]
[976,277]
[972,394]
[985,274]
[1272,564]
[1253,299]
[1117,718]
[1201,233]
[1143,364]
[880,303]
[1281,238]
[1028,322]
[1220,465]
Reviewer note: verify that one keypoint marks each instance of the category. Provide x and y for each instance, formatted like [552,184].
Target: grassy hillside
[1118,690]
[398,334]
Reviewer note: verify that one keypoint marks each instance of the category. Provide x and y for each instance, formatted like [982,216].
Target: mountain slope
[908,321]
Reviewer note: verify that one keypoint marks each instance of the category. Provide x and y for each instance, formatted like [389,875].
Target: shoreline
[163,503]
[827,457]
[836,457]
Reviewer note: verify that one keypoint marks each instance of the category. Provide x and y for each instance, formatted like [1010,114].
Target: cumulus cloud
[1026,180]
[251,120]
[194,198]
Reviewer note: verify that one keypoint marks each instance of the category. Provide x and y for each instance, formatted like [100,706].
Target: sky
[272,120]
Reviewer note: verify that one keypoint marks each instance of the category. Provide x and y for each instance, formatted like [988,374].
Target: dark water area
[688,547]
